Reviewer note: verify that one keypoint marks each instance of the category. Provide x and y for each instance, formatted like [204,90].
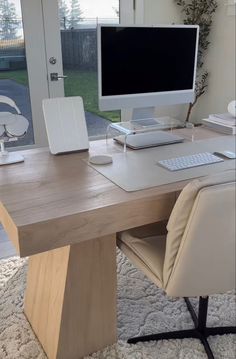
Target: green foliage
[63,13]
[8,21]
[75,14]
[78,83]
[20,76]
[70,15]
[199,12]
[84,84]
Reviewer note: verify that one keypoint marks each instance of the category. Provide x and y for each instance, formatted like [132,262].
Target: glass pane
[13,68]
[78,20]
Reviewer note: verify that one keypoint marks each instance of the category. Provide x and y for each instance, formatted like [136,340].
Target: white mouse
[100,159]
[227,154]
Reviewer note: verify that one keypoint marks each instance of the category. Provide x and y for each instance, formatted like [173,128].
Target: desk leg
[70,298]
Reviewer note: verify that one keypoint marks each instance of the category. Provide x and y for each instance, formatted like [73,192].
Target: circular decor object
[18,128]
[100,159]
[7,118]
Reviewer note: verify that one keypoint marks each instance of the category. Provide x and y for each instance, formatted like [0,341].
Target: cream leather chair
[196,257]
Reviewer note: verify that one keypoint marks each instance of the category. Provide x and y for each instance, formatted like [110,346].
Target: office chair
[196,257]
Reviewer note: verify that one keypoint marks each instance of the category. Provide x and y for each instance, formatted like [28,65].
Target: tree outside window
[9,23]
[70,14]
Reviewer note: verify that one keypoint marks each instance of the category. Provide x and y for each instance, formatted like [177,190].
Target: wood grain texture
[9,226]
[71,298]
[66,213]
[52,201]
[44,296]
[72,229]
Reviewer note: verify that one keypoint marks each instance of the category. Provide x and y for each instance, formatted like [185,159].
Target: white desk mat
[138,169]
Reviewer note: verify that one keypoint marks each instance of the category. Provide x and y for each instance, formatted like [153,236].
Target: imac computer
[142,67]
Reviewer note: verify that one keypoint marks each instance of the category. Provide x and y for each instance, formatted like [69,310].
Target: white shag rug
[142,309]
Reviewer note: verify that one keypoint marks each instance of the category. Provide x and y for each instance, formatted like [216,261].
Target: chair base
[200,331]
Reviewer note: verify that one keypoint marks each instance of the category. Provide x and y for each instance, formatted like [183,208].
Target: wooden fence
[79,49]
[12,54]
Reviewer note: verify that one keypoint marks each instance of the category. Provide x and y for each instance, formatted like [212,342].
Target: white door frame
[131,12]
[38,52]
[32,16]
[139,12]
[53,46]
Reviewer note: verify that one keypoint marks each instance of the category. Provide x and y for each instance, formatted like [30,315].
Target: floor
[142,309]
[6,247]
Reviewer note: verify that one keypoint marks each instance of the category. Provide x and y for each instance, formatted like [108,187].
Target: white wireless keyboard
[198,159]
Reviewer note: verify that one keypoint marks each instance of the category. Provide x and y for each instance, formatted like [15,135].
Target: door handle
[55,77]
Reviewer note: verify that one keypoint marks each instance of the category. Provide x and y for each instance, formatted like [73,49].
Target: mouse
[226,154]
[100,159]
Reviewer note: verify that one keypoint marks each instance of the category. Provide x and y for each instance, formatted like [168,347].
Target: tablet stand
[7,158]
[142,125]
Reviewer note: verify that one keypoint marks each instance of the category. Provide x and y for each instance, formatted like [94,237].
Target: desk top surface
[138,170]
[46,191]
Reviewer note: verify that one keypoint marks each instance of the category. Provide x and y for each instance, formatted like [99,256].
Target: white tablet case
[65,124]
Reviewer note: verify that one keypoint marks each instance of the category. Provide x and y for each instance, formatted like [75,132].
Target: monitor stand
[7,158]
[146,117]
[143,113]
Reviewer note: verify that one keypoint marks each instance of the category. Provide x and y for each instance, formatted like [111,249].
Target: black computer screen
[142,60]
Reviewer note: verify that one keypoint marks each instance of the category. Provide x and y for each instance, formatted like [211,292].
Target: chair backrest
[65,124]
[200,247]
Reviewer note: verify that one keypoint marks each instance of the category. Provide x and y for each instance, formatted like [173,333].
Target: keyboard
[198,159]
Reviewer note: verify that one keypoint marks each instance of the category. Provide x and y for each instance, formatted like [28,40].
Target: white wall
[219,61]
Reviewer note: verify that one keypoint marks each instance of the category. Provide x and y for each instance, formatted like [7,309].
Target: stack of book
[223,122]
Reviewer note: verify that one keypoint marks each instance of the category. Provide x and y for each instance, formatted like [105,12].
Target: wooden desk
[64,215]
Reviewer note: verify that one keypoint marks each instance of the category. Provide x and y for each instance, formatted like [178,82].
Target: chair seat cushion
[147,253]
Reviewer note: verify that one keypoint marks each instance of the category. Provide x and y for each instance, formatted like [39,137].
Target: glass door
[78,28]
[23,70]
[76,21]
[13,66]
[39,38]
[71,51]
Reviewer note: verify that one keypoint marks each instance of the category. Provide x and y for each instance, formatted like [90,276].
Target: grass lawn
[19,76]
[78,83]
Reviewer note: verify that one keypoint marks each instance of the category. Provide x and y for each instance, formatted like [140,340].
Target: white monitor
[140,66]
